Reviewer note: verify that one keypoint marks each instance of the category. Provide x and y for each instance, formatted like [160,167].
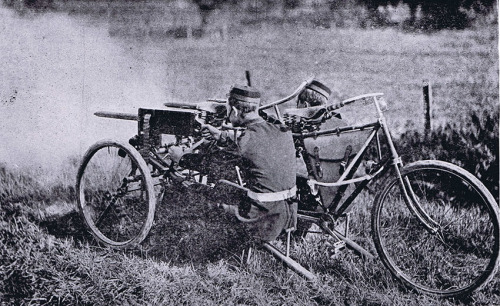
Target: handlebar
[332,107]
[290,97]
[360,97]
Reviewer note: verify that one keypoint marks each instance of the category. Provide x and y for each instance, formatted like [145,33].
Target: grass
[53,261]
[49,258]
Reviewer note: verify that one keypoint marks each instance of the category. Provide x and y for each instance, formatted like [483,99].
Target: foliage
[441,14]
[423,14]
[473,145]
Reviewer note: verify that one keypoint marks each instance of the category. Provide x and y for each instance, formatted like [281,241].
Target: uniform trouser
[266,219]
[269,219]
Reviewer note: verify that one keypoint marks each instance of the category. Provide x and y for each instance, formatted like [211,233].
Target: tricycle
[435,226]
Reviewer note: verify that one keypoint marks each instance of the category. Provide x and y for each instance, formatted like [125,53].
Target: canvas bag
[329,155]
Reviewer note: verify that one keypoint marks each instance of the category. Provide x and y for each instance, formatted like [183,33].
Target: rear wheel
[116,194]
[459,252]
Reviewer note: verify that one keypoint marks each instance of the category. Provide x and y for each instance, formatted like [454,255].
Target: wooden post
[427,94]
[247,75]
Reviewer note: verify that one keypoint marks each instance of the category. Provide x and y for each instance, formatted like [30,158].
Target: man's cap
[245,94]
[320,88]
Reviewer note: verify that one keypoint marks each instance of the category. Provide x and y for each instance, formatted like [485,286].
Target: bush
[473,145]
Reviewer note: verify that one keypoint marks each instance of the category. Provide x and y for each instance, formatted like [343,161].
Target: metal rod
[356,247]
[240,180]
[308,218]
[290,262]
[290,97]
[362,97]
[347,129]
[278,115]
[347,220]
[288,232]
[123,116]
[379,148]
[357,158]
[341,183]
[351,244]
[347,203]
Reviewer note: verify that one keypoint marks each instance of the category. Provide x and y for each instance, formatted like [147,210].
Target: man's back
[269,157]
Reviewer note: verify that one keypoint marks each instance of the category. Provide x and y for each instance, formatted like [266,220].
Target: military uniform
[265,152]
[315,94]
[268,160]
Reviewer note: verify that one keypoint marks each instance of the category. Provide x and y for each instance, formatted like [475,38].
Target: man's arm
[223,138]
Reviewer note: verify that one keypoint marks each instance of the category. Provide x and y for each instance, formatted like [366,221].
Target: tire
[118,212]
[463,255]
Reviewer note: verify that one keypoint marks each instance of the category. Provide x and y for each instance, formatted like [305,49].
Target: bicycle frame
[336,209]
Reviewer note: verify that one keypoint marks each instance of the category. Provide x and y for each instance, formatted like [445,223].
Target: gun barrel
[123,116]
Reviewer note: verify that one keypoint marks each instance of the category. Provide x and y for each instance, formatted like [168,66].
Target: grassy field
[61,75]
[48,258]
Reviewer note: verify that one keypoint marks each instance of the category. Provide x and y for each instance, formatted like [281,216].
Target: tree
[206,7]
[438,14]
[291,4]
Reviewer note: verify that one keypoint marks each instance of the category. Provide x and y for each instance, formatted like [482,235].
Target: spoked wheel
[115,194]
[448,244]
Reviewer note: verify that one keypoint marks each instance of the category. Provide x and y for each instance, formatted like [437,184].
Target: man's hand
[210,132]
[176,153]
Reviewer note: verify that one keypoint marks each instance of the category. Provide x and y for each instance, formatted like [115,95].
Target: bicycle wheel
[115,194]
[460,253]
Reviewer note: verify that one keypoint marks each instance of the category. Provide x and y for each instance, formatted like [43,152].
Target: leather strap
[272,196]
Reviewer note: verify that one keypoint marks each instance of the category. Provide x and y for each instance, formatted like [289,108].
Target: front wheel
[459,252]
[116,194]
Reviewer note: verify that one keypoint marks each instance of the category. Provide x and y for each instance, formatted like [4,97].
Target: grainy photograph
[253,152]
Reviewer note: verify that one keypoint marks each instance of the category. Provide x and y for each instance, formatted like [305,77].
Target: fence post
[247,75]
[427,94]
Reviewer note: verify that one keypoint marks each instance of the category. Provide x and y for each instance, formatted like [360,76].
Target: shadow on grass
[188,228]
